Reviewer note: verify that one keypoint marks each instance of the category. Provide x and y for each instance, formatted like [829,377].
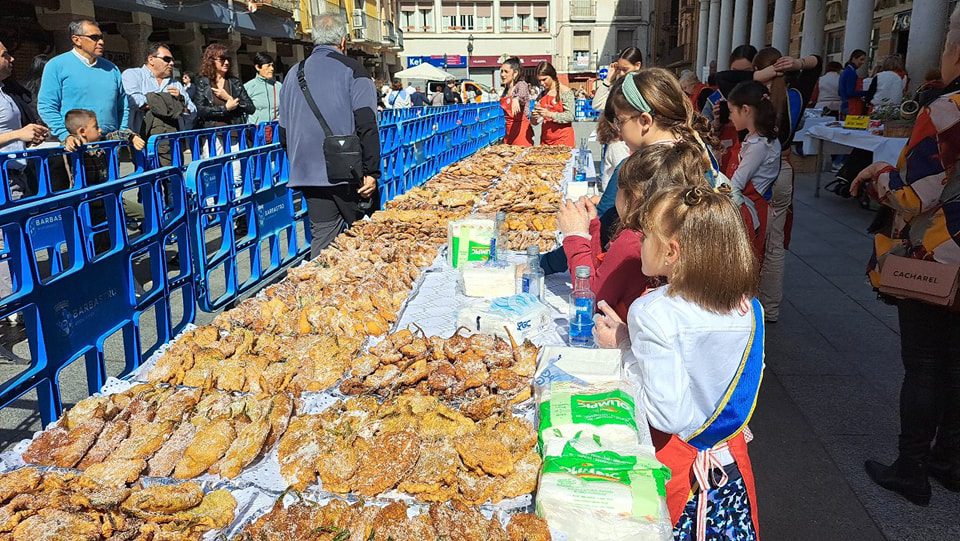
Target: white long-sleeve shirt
[828,95]
[890,88]
[682,358]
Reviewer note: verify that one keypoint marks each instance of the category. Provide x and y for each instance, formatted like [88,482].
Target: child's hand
[71,143]
[609,331]
[589,207]
[138,142]
[573,219]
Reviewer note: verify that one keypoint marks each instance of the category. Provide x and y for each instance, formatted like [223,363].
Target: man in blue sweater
[82,79]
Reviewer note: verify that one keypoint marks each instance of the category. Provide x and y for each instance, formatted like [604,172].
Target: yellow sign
[856,122]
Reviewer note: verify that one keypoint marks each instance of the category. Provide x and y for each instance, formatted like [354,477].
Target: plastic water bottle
[532,279]
[496,237]
[581,310]
[581,161]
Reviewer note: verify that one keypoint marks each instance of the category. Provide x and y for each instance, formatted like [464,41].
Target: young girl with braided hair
[758,163]
[695,351]
[613,267]
[645,107]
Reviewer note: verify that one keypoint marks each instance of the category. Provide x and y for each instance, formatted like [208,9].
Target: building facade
[469,38]
[692,34]
[279,27]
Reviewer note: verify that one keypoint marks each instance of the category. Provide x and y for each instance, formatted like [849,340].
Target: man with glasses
[82,79]
[156,100]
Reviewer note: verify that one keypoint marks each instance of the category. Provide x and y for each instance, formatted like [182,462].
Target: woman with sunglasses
[221,98]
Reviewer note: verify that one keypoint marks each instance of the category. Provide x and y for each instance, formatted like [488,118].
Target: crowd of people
[133,104]
[685,245]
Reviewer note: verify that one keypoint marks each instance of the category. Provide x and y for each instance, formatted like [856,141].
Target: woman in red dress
[515,102]
[554,109]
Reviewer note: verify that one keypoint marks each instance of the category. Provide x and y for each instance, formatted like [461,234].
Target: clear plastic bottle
[532,279]
[497,238]
[581,310]
[581,161]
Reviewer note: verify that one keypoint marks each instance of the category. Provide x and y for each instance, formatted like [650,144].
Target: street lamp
[469,52]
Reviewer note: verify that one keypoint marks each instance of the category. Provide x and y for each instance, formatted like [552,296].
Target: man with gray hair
[344,95]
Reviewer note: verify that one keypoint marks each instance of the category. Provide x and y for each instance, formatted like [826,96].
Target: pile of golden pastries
[302,333]
[482,373]
[530,195]
[305,334]
[414,444]
[163,431]
[98,505]
[340,521]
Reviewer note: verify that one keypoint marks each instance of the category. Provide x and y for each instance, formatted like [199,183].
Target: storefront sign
[440,61]
[494,61]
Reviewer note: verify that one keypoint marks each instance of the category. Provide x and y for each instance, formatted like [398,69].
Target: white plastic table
[885,149]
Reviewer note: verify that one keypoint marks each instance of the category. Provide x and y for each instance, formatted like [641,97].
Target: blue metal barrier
[71,264]
[256,214]
[52,170]
[205,142]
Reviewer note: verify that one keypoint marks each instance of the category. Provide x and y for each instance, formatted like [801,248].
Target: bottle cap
[533,250]
[583,271]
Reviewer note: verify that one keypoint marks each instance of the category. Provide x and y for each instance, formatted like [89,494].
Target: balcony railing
[389,33]
[628,8]
[583,9]
[580,64]
[371,30]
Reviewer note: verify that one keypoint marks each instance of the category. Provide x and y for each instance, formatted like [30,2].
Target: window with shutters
[467,16]
[524,16]
[582,49]
[624,39]
[417,16]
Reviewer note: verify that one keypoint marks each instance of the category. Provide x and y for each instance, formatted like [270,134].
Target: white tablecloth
[809,143]
[885,149]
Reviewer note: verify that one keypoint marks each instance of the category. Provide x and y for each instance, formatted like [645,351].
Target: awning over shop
[212,12]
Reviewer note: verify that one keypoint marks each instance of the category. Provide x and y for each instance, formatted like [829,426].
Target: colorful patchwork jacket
[924,189]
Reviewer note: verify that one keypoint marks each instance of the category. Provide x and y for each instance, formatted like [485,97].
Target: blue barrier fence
[257,217]
[69,263]
[583,110]
[90,253]
[416,143]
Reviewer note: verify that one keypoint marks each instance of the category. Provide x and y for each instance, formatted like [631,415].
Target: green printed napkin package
[604,410]
[593,491]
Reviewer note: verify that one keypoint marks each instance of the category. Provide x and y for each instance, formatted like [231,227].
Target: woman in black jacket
[221,98]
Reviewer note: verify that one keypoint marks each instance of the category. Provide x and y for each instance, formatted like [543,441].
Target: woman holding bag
[923,196]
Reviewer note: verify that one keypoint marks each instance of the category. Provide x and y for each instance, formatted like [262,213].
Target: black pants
[930,396]
[331,210]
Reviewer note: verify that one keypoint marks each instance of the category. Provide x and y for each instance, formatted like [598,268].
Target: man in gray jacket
[347,99]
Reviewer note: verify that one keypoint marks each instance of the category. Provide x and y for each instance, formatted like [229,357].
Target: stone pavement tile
[802,495]
[837,405]
[898,519]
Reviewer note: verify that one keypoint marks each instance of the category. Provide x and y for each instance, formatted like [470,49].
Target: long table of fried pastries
[330,406]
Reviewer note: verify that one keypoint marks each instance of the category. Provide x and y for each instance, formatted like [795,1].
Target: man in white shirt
[14,135]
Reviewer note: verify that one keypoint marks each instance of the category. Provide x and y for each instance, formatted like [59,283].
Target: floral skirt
[728,515]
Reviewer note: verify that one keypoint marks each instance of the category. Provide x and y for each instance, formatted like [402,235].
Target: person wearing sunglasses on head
[157,101]
[82,79]
[221,97]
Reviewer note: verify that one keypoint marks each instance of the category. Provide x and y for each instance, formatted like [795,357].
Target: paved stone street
[829,396]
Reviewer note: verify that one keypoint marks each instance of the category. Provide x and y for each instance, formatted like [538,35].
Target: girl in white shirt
[759,160]
[695,349]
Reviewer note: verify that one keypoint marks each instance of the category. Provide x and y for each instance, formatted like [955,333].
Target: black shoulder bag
[342,153]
